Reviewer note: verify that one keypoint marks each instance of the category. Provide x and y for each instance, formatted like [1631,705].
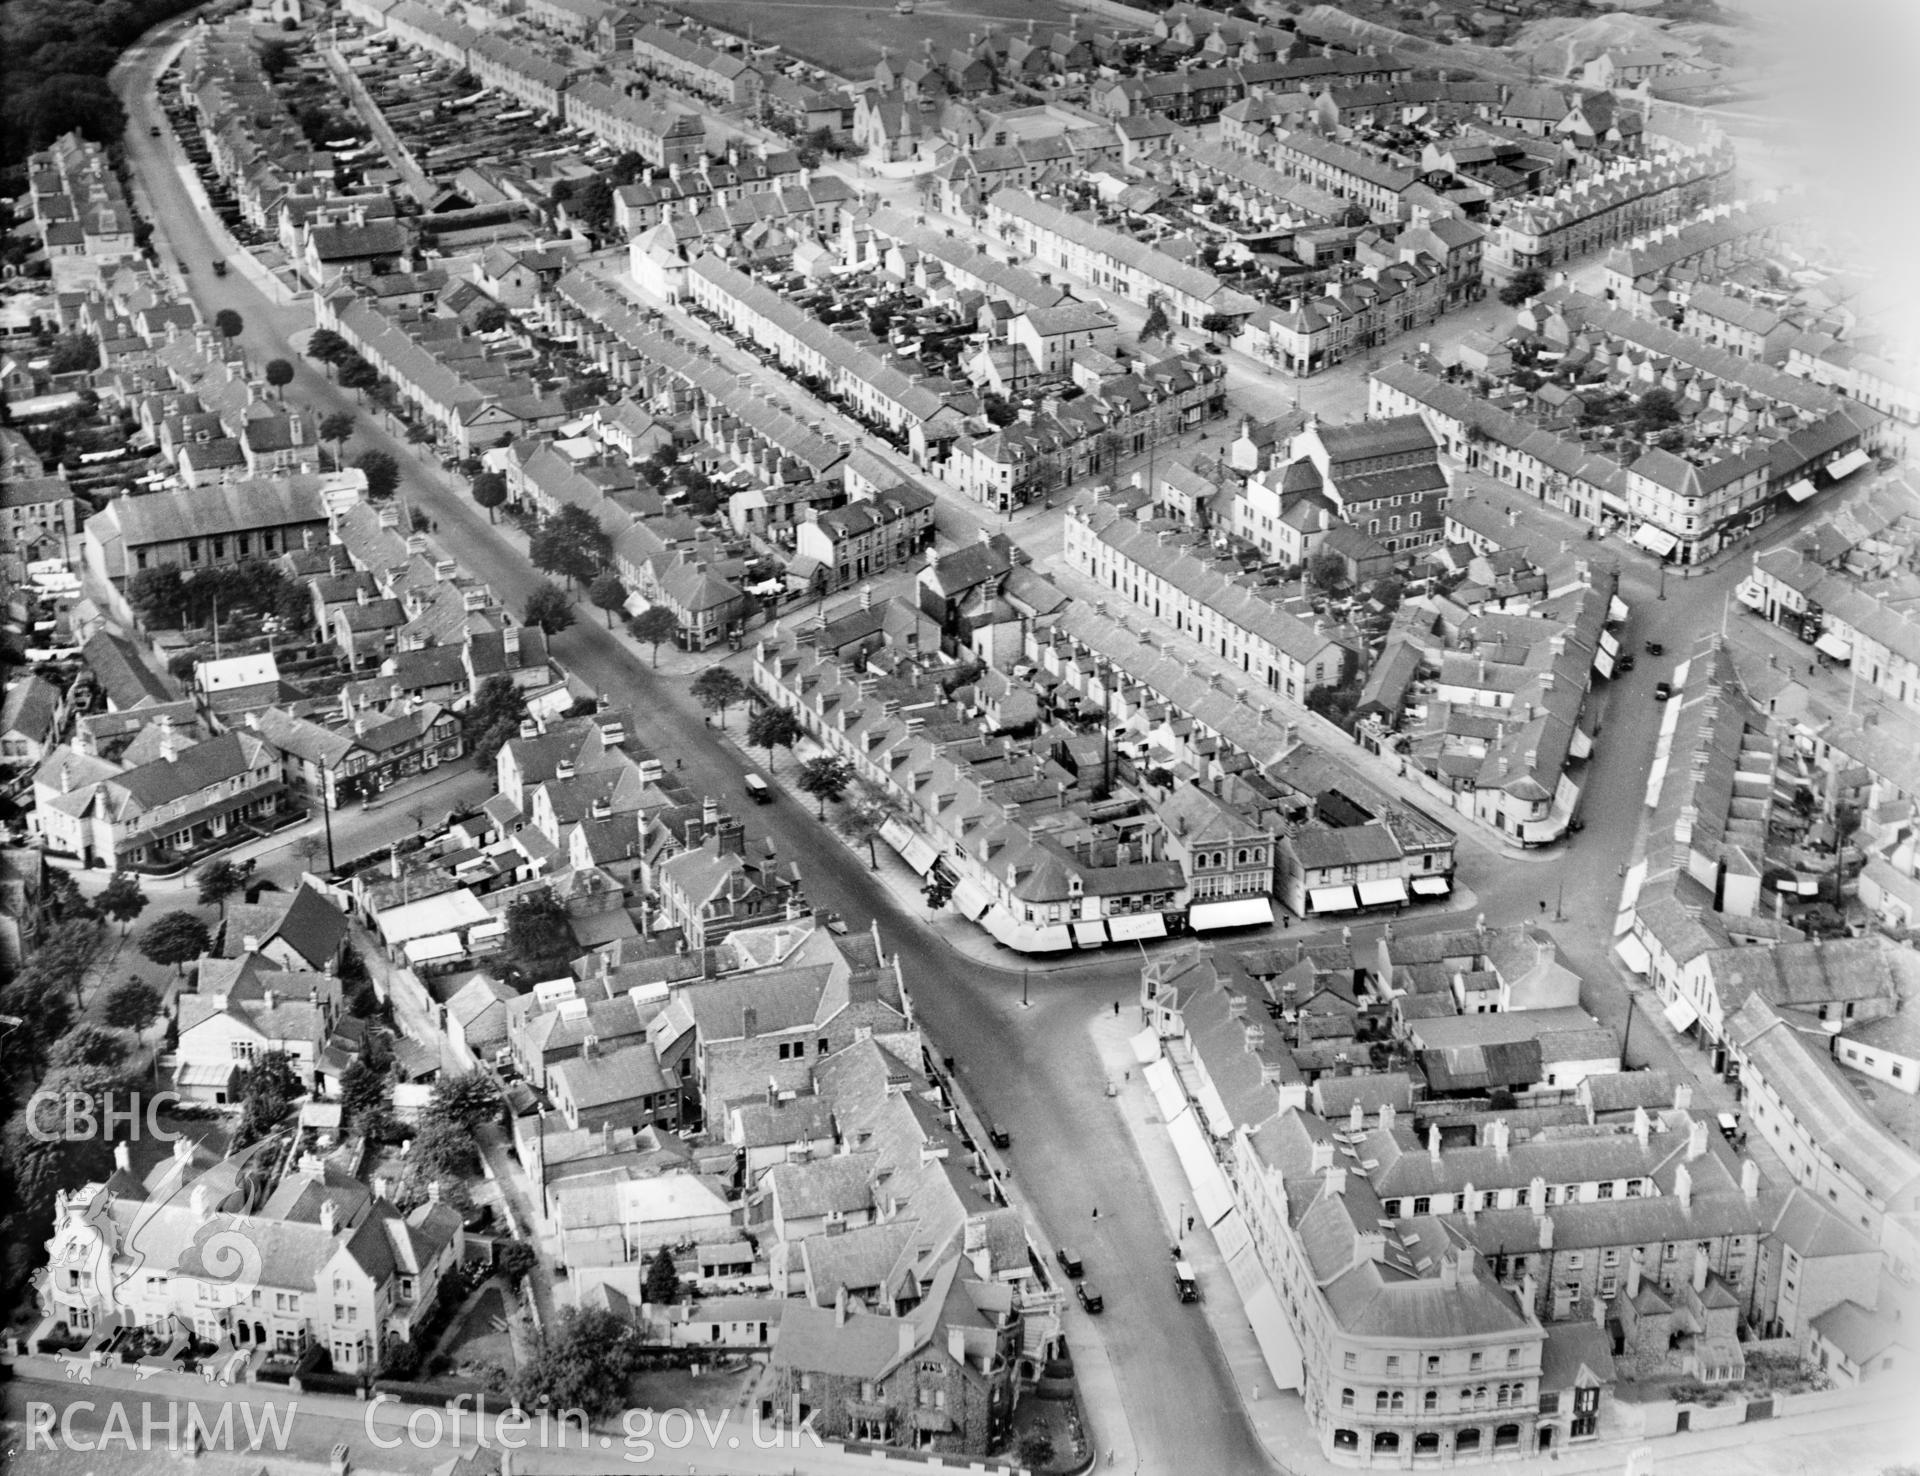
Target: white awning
[1145,1046]
[1237,912]
[1831,645]
[1213,1201]
[1609,643]
[1617,609]
[1432,886]
[1801,490]
[896,834]
[1657,541]
[433,949]
[1131,925]
[1286,1364]
[1581,744]
[1847,465]
[920,855]
[1603,662]
[1165,1087]
[1614,503]
[1680,1014]
[1634,953]
[970,899]
[1751,595]
[1383,893]
[1047,940]
[1332,899]
[1090,932]
[1219,1120]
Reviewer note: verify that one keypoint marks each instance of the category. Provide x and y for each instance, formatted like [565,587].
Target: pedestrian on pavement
[1096,1212]
[1189,1224]
[1543,904]
[1116,1007]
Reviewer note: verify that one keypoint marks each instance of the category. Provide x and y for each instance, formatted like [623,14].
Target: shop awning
[1047,940]
[1431,886]
[896,835]
[1680,1015]
[1165,1087]
[1238,912]
[1219,1121]
[1609,643]
[1383,893]
[1213,1199]
[1145,1046]
[920,855]
[1614,503]
[1132,925]
[1617,609]
[1332,899]
[970,899]
[1657,541]
[1847,465]
[1633,953]
[1090,933]
[1603,662]
[1830,644]
[1801,490]
[1751,595]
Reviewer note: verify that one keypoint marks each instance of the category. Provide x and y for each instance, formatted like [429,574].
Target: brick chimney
[1749,1180]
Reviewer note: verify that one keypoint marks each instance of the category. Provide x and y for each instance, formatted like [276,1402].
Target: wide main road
[1035,1069]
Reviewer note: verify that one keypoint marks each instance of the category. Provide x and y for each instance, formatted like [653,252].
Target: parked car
[1654,648]
[1662,691]
[1624,665]
[154,131]
[997,1135]
[757,790]
[1185,1282]
[1090,1298]
[1070,1263]
[219,269]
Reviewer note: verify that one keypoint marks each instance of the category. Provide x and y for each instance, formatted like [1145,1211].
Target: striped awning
[1131,925]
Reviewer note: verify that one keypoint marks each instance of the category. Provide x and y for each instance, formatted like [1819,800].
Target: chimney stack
[1683,1187]
[1696,1139]
[1749,1180]
[329,1218]
[1433,1141]
[1386,1117]
[1699,1271]
[1470,1202]
[1641,1126]
[123,1157]
[1502,1137]
[1633,1274]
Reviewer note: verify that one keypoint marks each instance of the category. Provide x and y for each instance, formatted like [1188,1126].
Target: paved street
[1034,1068]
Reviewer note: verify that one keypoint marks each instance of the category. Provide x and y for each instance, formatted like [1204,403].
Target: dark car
[154,131]
[1091,1299]
[997,1135]
[1070,1263]
[1662,691]
[1624,665]
[219,269]
[1654,648]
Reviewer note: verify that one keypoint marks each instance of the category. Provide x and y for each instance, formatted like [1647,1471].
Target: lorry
[1184,1281]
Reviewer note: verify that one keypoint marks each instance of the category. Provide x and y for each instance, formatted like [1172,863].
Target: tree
[1528,283]
[44,1011]
[825,778]
[336,427]
[268,1090]
[1656,410]
[275,58]
[324,346]
[662,1285]
[357,374]
[382,471]
[466,1101]
[279,373]
[515,1260]
[549,607]
[1036,1449]
[39,1167]
[219,880]
[73,353]
[866,817]
[88,1045]
[584,1361]
[493,718]
[717,689]
[443,1153]
[608,593]
[1156,325]
[490,319]
[571,544]
[228,323]
[366,1099]
[121,899]
[175,938]
[1327,570]
[654,625]
[133,1006]
[537,930]
[490,491]
[58,965]
[592,205]
[772,727]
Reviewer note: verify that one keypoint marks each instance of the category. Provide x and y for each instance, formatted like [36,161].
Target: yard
[846,38]
[1048,1425]
[481,1338]
[713,1392]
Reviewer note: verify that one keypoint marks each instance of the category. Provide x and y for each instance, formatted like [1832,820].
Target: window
[1346,1399]
[1433,1363]
[1513,1358]
[1380,1401]
[823,1045]
[1393,1363]
[1430,1401]
[1346,1360]
[1422,1204]
[1606,1189]
[1476,1360]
